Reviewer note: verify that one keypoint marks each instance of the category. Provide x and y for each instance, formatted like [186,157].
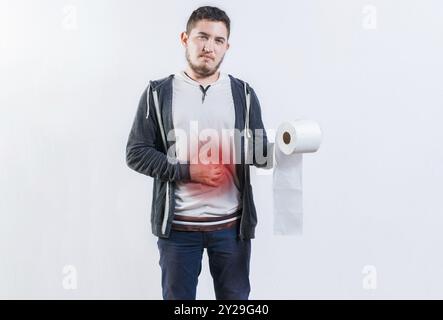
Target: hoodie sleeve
[144,143]
[262,150]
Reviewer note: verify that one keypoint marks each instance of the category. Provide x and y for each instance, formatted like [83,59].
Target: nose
[209,46]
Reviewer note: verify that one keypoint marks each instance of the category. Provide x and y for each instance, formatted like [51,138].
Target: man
[197,203]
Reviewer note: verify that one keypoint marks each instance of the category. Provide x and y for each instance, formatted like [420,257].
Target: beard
[202,70]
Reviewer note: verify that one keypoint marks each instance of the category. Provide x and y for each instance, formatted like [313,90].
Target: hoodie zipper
[246,146]
[162,133]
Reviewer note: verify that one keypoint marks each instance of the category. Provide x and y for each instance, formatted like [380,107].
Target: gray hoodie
[150,153]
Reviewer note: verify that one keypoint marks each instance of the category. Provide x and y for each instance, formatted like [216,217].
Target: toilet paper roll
[298,136]
[292,139]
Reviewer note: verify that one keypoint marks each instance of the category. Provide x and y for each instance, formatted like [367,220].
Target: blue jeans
[180,262]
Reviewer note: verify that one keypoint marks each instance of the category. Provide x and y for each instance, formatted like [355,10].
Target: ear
[227,46]
[184,38]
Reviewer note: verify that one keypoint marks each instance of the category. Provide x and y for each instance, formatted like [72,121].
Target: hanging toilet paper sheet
[292,140]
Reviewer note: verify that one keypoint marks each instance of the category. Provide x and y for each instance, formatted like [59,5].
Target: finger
[211,183]
[216,174]
[219,170]
[218,179]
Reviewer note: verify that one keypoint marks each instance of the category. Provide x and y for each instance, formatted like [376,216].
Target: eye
[220,41]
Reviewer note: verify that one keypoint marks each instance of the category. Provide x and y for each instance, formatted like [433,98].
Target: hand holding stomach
[209,174]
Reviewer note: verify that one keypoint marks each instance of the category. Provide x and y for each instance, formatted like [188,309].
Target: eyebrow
[205,34]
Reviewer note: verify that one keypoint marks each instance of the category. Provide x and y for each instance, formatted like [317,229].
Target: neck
[204,81]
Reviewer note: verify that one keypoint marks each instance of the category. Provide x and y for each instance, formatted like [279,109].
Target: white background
[71,76]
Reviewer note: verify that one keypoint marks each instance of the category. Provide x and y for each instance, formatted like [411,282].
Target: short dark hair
[208,13]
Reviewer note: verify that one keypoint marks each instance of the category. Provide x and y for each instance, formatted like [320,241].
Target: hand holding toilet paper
[292,140]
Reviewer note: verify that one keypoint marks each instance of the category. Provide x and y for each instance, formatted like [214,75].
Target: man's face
[206,46]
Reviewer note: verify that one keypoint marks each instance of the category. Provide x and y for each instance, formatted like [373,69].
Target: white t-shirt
[194,109]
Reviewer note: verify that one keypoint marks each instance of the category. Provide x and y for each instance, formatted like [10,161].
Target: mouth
[206,57]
